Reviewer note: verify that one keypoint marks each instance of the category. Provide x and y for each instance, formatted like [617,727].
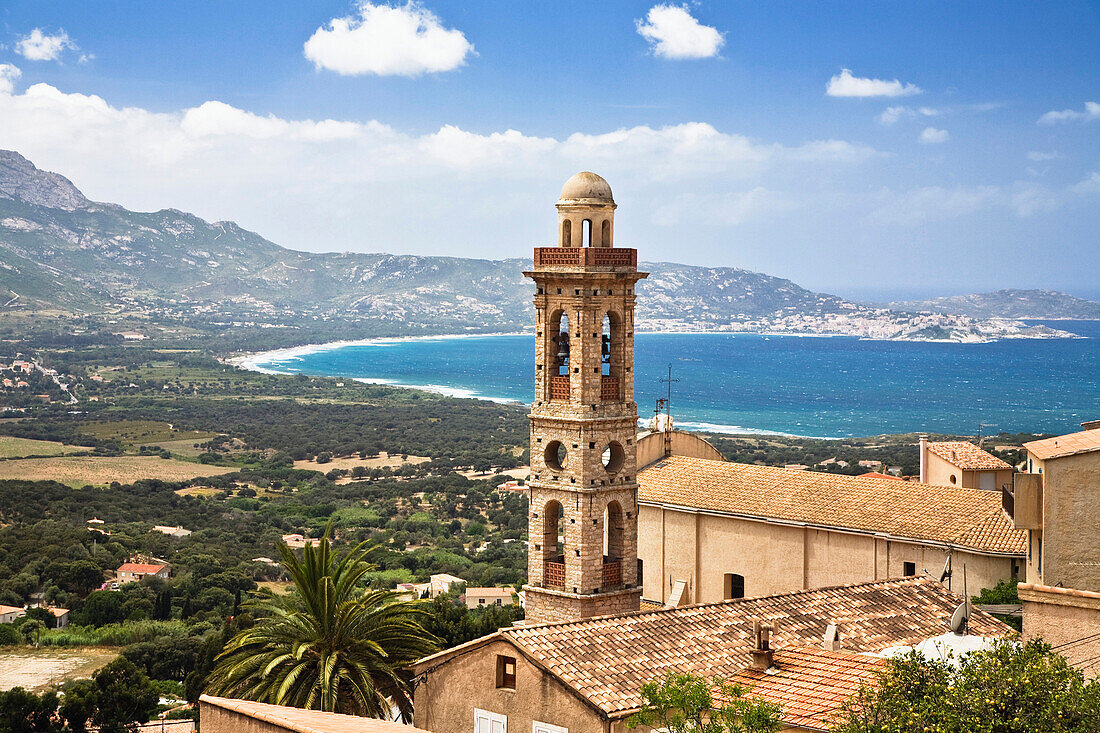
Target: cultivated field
[19,447]
[41,669]
[77,471]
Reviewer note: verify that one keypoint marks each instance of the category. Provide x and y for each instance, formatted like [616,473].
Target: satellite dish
[960,619]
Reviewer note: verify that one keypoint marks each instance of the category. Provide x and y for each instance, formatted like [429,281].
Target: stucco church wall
[775,558]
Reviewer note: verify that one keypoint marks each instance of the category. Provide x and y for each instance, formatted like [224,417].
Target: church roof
[968,518]
[607,659]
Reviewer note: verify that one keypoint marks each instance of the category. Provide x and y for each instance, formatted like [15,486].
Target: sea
[825,387]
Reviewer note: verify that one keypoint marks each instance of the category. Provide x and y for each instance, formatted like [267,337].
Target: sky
[875,150]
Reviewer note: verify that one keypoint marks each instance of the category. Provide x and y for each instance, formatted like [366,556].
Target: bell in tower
[583,521]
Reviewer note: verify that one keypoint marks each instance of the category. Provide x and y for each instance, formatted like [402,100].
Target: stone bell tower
[583,522]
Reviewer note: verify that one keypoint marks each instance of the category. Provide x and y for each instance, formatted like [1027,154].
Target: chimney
[763,656]
[923,458]
[831,641]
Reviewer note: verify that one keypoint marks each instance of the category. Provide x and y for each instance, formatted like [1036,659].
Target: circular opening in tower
[555,455]
[613,457]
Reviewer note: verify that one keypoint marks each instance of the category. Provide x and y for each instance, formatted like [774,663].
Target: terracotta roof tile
[811,685]
[608,659]
[137,567]
[1085,441]
[969,518]
[306,721]
[967,456]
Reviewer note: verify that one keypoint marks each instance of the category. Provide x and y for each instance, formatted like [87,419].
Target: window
[486,722]
[734,586]
[547,728]
[506,672]
[910,568]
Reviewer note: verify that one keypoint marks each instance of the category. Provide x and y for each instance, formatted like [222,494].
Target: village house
[710,529]
[479,597]
[297,541]
[132,572]
[9,614]
[1057,502]
[586,675]
[958,463]
[175,532]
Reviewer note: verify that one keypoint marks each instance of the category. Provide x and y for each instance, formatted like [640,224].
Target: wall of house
[1071,521]
[940,471]
[774,558]
[1068,619]
[446,698]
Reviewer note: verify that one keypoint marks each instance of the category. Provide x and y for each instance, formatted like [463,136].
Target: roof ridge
[904,580]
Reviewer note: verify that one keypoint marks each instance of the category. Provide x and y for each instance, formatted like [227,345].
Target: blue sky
[959,152]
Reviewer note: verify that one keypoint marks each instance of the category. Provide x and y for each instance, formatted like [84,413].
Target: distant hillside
[60,250]
[1009,304]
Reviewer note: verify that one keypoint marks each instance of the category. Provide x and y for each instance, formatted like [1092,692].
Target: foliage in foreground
[686,703]
[327,645]
[1012,688]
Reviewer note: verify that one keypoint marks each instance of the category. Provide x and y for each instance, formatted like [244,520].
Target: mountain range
[60,250]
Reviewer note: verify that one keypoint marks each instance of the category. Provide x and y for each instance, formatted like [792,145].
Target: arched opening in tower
[559,328]
[566,233]
[605,233]
[613,532]
[586,233]
[553,544]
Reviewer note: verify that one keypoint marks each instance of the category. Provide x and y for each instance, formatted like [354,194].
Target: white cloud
[364,185]
[1088,185]
[933,202]
[386,40]
[846,85]
[934,136]
[1039,156]
[725,209]
[890,115]
[37,46]
[1091,114]
[673,33]
[8,75]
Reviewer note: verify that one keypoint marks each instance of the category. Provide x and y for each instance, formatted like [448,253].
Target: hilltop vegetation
[170,271]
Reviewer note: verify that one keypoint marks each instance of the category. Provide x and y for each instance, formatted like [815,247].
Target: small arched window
[605,233]
[566,233]
[586,233]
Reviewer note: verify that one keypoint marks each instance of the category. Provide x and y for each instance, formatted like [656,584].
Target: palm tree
[327,645]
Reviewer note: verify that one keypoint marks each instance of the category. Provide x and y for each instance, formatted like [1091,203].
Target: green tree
[327,645]
[79,704]
[22,711]
[685,703]
[1011,688]
[124,697]
[102,607]
[81,577]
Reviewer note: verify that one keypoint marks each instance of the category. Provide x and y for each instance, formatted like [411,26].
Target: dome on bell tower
[586,187]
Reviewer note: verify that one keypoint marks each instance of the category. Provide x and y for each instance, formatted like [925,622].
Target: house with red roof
[132,572]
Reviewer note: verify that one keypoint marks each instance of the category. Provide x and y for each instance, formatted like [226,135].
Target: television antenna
[984,425]
[668,398]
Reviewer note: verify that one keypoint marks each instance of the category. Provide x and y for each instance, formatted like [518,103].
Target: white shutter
[487,722]
[987,481]
[548,728]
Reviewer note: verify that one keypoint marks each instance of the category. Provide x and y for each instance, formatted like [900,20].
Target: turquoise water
[827,387]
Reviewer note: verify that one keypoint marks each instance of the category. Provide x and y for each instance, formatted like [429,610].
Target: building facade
[958,463]
[586,675]
[711,530]
[583,487]
[1057,501]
